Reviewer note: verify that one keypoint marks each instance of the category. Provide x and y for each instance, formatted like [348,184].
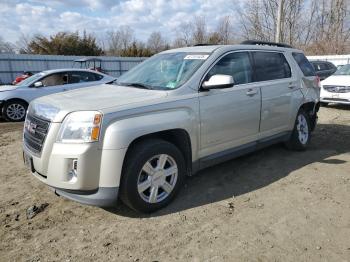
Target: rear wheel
[301,134]
[153,173]
[14,111]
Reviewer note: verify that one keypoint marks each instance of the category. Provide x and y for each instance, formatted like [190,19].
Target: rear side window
[323,66]
[304,64]
[81,77]
[330,66]
[270,66]
[98,77]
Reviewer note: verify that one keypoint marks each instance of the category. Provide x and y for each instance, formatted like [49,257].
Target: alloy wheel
[157,178]
[15,111]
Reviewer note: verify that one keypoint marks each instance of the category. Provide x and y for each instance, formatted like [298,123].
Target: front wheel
[301,134]
[153,173]
[15,111]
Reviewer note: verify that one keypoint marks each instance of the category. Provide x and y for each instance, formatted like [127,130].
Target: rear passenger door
[79,79]
[273,74]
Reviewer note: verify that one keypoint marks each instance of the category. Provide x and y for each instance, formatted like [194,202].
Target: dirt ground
[272,205]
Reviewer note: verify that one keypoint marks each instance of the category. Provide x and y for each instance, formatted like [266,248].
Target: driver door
[230,117]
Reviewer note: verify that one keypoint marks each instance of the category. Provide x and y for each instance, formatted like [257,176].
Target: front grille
[35,131]
[337,89]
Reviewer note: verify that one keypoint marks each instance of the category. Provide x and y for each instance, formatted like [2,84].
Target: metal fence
[335,59]
[12,65]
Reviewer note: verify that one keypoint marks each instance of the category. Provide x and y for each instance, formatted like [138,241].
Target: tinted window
[237,65]
[55,79]
[81,77]
[330,66]
[270,66]
[323,66]
[98,77]
[304,64]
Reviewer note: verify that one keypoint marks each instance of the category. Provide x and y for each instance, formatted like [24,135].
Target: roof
[69,70]
[212,48]
[195,49]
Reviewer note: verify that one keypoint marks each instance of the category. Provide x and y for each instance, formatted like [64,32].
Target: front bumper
[335,100]
[102,197]
[330,97]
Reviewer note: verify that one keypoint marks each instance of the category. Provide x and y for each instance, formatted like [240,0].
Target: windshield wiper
[138,85]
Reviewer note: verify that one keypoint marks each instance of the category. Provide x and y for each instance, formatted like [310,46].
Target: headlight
[80,127]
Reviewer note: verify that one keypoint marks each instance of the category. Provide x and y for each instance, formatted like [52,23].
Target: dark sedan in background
[324,69]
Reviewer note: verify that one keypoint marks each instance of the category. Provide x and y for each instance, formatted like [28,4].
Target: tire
[15,111]
[301,135]
[144,186]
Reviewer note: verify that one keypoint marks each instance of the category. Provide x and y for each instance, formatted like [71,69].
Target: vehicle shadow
[339,107]
[253,171]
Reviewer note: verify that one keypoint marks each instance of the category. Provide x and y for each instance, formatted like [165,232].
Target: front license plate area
[335,96]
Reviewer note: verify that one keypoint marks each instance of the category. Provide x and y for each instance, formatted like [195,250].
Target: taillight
[318,82]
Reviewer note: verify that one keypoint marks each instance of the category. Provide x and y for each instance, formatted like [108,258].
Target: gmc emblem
[29,126]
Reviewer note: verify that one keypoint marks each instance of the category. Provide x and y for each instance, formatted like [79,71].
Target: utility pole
[279,21]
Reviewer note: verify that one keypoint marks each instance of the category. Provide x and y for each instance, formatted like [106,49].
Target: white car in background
[336,88]
[14,100]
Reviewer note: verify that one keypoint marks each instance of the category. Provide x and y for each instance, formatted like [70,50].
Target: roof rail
[256,42]
[203,44]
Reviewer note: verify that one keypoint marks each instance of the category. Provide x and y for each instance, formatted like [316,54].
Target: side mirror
[218,81]
[38,84]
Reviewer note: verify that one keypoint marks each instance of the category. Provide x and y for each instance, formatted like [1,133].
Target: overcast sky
[98,16]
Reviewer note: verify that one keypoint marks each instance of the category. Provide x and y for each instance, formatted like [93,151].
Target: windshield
[163,71]
[29,80]
[343,71]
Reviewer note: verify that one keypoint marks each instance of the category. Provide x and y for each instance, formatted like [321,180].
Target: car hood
[105,98]
[7,88]
[337,80]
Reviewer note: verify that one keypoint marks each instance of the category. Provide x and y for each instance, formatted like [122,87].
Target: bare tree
[23,44]
[156,42]
[319,26]
[120,40]
[224,30]
[184,35]
[199,31]
[6,47]
[333,26]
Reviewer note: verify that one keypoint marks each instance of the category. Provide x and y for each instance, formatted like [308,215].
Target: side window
[55,79]
[270,66]
[329,66]
[235,64]
[323,66]
[81,77]
[304,64]
[98,77]
[316,66]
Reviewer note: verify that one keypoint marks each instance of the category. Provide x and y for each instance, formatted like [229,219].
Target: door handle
[251,92]
[292,86]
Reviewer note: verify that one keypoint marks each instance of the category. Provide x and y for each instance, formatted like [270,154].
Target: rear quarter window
[304,64]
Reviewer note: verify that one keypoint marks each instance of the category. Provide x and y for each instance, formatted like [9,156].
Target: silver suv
[176,113]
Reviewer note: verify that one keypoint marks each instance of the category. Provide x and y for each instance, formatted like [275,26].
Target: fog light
[72,174]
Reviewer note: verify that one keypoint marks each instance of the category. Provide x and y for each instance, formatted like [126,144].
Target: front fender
[123,132]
